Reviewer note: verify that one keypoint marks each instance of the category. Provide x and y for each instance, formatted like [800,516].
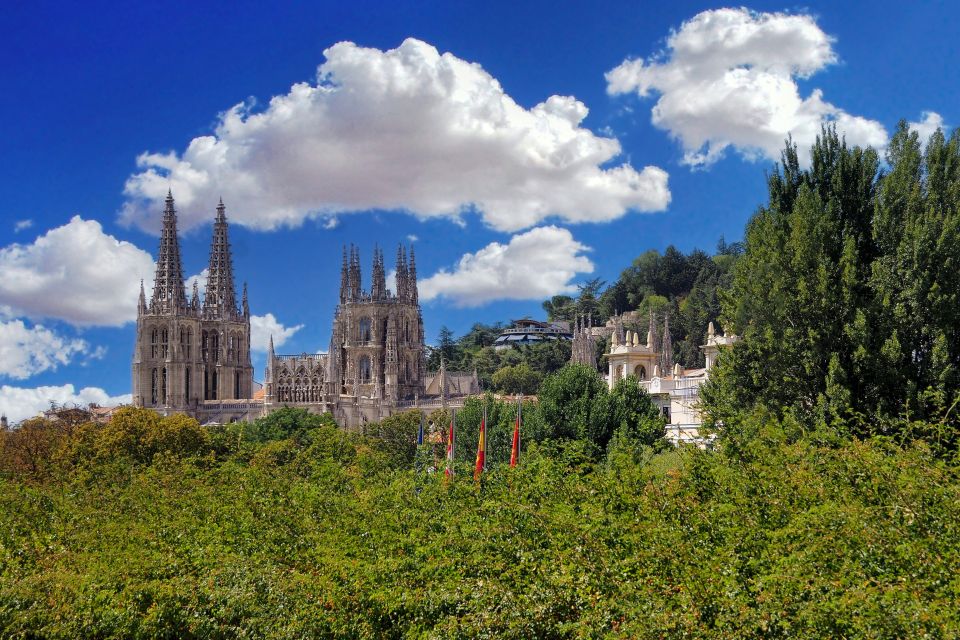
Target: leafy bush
[519,379]
[789,536]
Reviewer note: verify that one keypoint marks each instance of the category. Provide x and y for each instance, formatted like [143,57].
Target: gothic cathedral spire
[401,273]
[378,290]
[344,283]
[169,295]
[220,298]
[412,277]
[354,276]
[142,303]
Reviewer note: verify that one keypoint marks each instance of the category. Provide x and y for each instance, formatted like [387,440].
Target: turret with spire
[344,281]
[220,298]
[268,376]
[412,277]
[169,296]
[401,273]
[353,276]
[142,303]
[195,299]
[666,347]
[378,288]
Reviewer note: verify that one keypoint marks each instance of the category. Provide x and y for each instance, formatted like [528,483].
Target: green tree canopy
[846,293]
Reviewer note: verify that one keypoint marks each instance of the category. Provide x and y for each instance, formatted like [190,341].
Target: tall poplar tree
[846,295]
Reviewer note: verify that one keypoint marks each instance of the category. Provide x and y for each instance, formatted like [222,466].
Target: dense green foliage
[517,379]
[324,533]
[847,293]
[575,404]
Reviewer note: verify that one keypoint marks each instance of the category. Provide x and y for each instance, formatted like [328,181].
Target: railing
[534,330]
[215,406]
[432,403]
[303,356]
[688,433]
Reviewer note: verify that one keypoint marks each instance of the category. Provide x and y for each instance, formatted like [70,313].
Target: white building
[677,391]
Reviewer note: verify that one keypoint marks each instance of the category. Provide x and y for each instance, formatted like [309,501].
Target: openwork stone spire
[354,276]
[142,302]
[220,298]
[169,295]
[378,290]
[412,277]
[401,273]
[666,348]
[344,282]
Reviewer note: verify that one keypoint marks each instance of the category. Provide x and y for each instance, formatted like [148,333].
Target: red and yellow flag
[450,440]
[481,447]
[515,448]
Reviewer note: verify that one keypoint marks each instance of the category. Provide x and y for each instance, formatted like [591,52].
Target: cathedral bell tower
[160,377]
[187,352]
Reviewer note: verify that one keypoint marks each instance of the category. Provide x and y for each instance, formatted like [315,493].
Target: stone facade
[584,348]
[187,353]
[376,363]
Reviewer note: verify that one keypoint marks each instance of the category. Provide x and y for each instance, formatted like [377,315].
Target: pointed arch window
[153,387]
[364,369]
[186,340]
[365,330]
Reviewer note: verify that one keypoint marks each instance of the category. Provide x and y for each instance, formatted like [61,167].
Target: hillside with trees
[684,287]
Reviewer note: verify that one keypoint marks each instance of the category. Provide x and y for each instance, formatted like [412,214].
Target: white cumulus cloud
[76,273]
[408,129]
[22,225]
[20,403]
[262,327]
[26,351]
[534,265]
[728,79]
[930,122]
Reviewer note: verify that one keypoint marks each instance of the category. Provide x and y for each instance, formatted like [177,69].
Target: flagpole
[515,444]
[451,439]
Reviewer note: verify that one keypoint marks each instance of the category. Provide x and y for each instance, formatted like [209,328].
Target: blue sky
[437,126]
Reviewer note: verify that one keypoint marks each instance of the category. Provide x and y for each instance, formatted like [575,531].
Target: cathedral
[193,357]
[187,352]
[376,362]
